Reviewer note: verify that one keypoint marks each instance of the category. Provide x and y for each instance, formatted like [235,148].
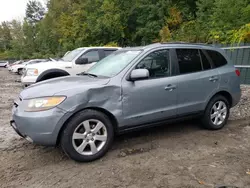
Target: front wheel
[216,113]
[87,136]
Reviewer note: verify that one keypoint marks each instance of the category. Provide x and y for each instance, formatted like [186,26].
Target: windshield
[114,63]
[37,61]
[72,55]
[17,62]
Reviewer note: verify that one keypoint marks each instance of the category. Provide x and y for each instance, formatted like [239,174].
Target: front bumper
[28,80]
[39,127]
[13,70]
[13,125]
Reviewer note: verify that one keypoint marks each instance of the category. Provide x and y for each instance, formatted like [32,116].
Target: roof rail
[174,42]
[181,42]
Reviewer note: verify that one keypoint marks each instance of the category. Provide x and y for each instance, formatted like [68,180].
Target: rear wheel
[87,136]
[216,113]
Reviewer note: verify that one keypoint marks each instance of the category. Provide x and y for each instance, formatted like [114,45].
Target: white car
[15,63]
[18,68]
[4,63]
[72,63]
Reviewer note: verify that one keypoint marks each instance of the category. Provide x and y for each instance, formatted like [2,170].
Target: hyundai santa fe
[130,89]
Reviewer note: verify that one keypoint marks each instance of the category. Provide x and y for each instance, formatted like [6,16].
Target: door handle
[68,67]
[213,78]
[170,87]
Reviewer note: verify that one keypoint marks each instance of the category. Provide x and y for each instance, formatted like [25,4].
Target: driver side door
[152,99]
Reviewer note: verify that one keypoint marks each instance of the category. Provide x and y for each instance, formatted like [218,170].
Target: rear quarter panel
[230,82]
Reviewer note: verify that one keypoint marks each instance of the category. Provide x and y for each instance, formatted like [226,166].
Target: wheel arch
[20,68]
[106,112]
[225,94]
[51,71]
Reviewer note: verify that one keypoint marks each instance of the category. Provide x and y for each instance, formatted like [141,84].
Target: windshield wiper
[88,74]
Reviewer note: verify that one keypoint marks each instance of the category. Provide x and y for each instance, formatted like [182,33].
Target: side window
[189,60]
[157,63]
[217,58]
[108,52]
[205,62]
[93,56]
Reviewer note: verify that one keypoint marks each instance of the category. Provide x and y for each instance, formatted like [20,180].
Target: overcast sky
[13,9]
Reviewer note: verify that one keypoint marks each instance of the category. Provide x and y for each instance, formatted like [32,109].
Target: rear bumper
[236,98]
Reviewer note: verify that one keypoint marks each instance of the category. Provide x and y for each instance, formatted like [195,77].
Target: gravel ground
[179,155]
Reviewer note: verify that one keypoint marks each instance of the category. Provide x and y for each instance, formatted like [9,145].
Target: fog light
[29,139]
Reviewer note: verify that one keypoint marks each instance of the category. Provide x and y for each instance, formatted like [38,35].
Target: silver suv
[132,88]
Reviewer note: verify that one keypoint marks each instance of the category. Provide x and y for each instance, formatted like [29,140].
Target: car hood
[46,64]
[62,85]
[18,66]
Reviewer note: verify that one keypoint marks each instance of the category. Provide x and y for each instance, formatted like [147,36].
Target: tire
[210,114]
[77,125]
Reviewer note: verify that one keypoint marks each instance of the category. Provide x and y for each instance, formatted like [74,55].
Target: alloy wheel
[89,137]
[218,113]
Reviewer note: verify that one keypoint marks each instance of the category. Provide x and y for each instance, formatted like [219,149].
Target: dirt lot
[178,155]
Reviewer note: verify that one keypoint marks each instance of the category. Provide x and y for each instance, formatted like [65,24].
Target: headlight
[45,103]
[32,72]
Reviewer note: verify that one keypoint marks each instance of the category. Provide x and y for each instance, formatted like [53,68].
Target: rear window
[217,58]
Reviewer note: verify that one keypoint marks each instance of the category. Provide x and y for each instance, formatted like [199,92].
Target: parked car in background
[15,63]
[130,89]
[74,62]
[4,63]
[18,68]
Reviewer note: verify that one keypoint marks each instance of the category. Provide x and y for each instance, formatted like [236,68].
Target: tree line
[64,25]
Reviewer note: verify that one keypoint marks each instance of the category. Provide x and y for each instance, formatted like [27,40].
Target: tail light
[237,72]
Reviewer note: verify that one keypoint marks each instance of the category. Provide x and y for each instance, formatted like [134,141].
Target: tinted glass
[108,52]
[206,64]
[157,64]
[217,58]
[189,60]
[93,56]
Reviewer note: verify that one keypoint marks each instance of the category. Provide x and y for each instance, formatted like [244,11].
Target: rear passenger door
[197,80]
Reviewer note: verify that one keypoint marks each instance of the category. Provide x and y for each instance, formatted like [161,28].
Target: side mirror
[82,61]
[138,74]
